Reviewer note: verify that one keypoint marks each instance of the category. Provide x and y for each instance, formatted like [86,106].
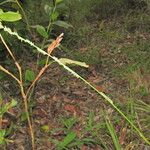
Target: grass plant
[76,75]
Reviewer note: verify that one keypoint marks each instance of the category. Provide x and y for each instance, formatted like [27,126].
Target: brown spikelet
[123,135]
[55,43]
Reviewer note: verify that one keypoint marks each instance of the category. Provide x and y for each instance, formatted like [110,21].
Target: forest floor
[61,96]
[63,104]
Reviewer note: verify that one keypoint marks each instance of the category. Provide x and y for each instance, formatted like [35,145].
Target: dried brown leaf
[70,108]
[122,136]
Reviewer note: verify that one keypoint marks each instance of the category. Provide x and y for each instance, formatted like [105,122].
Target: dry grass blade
[13,57]
[9,73]
[55,44]
[11,54]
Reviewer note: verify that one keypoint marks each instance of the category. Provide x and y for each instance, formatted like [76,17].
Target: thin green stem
[9,73]
[25,17]
[48,27]
[13,57]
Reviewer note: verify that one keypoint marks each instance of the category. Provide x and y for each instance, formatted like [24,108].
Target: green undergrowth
[120,43]
[103,129]
[105,39]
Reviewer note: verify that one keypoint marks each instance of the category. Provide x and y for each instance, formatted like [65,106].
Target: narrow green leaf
[29,75]
[2,136]
[7,106]
[66,61]
[62,24]
[67,140]
[69,123]
[10,16]
[113,134]
[58,1]
[13,103]
[41,30]
[2,133]
[1,98]
[10,129]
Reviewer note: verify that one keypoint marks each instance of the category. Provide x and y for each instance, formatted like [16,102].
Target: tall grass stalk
[80,77]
